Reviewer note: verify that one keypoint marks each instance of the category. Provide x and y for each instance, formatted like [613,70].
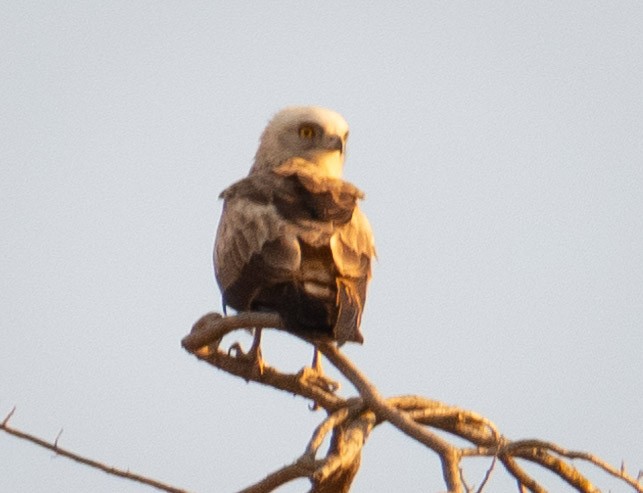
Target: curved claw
[236,351]
[312,377]
[253,356]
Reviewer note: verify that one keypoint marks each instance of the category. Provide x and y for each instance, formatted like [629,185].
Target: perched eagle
[292,238]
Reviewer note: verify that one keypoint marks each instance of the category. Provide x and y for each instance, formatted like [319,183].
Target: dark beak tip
[338,144]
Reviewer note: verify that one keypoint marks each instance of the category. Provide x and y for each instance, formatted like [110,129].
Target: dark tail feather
[349,314]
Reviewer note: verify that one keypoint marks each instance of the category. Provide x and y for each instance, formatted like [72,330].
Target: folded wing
[297,244]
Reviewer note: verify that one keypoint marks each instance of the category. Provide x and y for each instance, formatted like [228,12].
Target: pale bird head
[315,134]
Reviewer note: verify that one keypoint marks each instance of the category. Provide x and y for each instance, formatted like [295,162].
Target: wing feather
[251,226]
[353,247]
[299,244]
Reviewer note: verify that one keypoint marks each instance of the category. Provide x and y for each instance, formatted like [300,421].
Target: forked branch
[351,420]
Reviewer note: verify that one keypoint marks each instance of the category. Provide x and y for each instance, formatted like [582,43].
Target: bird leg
[253,355]
[316,365]
[314,375]
[255,351]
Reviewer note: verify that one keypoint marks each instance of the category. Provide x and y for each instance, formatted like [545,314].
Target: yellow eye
[306,132]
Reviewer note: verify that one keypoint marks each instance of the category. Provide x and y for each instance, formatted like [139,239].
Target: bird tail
[349,315]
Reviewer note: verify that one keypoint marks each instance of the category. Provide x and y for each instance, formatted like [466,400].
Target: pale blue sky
[500,145]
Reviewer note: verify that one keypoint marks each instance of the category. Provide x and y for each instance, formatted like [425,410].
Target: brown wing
[351,244]
[297,244]
[251,228]
[352,247]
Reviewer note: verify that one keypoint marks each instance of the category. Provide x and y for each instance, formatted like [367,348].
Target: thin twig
[8,416]
[279,477]
[84,460]
[58,437]
[487,474]
[465,485]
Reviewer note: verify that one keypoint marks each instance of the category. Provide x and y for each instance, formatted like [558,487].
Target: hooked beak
[335,143]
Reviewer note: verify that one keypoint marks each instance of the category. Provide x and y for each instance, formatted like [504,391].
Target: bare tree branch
[280,477]
[487,474]
[350,426]
[205,338]
[4,426]
[385,412]
[525,482]
[571,454]
[351,420]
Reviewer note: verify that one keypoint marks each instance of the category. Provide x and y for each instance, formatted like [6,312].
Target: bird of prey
[292,238]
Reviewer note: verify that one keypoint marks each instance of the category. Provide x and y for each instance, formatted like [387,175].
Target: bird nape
[292,238]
